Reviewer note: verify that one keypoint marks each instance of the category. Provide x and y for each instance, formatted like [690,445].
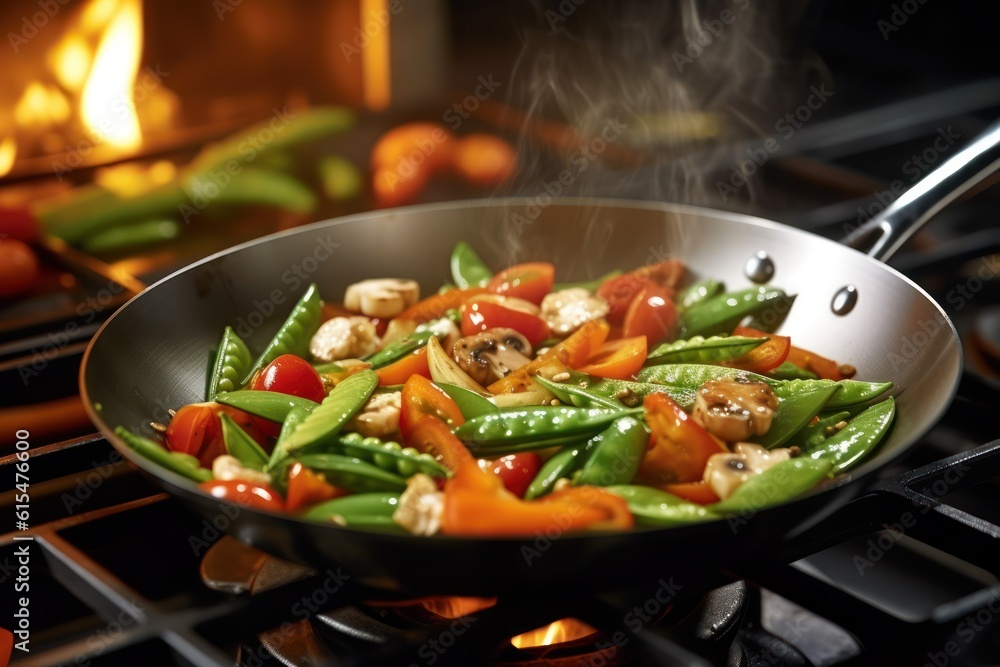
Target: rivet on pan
[760,267]
[844,300]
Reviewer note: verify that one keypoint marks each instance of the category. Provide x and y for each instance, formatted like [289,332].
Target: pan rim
[878,461]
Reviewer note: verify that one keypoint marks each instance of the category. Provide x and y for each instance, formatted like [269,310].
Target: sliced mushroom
[735,409]
[567,310]
[724,472]
[492,354]
[379,417]
[344,338]
[420,506]
[383,297]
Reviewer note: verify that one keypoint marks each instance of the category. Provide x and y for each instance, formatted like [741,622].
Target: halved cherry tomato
[621,291]
[489,311]
[678,447]
[827,369]
[517,470]
[289,374]
[436,305]
[531,281]
[764,357]
[19,267]
[617,359]
[398,372]
[651,314]
[696,492]
[306,488]
[572,352]
[196,430]
[18,222]
[422,398]
[256,496]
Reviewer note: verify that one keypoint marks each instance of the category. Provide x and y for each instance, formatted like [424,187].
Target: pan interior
[153,354]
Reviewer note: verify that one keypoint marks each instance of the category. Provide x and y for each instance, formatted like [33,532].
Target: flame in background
[566,630]
[8,151]
[106,104]
[377,79]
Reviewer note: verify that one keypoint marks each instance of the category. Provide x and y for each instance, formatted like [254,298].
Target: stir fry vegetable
[509,404]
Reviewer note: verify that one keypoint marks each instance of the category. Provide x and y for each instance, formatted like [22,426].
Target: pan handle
[885,233]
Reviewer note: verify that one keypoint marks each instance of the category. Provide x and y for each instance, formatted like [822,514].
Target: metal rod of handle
[901,219]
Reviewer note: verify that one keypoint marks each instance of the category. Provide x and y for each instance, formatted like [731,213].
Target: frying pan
[153,354]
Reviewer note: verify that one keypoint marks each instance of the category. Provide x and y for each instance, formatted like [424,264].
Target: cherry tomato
[19,267]
[391,187]
[617,359]
[414,143]
[764,357]
[531,281]
[679,446]
[483,159]
[256,496]
[17,222]
[196,430]
[289,374]
[400,371]
[827,369]
[306,488]
[516,471]
[492,310]
[422,398]
[621,291]
[651,314]
[696,492]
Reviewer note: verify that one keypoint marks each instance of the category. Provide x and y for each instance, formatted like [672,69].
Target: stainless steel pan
[152,355]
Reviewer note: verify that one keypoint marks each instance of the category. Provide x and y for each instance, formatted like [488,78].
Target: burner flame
[566,630]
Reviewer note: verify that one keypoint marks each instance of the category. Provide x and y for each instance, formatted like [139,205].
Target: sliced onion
[444,369]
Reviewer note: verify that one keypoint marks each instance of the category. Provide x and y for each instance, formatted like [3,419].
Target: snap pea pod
[294,334]
[814,434]
[353,474]
[616,456]
[361,510]
[699,349]
[467,268]
[146,232]
[721,314]
[272,405]
[520,429]
[182,464]
[253,185]
[859,437]
[693,376]
[340,405]
[341,179]
[560,466]
[849,392]
[789,371]
[331,367]
[780,483]
[596,391]
[279,455]
[232,362]
[388,455]
[395,351]
[589,285]
[469,402]
[574,394]
[242,446]
[698,292]
[793,413]
[652,507]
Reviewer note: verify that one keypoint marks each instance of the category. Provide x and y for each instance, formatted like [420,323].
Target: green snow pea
[271,405]
[399,349]
[361,510]
[780,483]
[388,455]
[279,455]
[561,465]
[858,438]
[850,392]
[794,412]
[240,445]
[294,334]
[693,376]
[652,507]
[469,402]
[467,268]
[353,474]
[182,464]
[232,362]
[616,456]
[699,349]
[722,313]
[573,394]
[340,405]
[526,429]
[789,371]
[813,435]
[329,367]
[698,292]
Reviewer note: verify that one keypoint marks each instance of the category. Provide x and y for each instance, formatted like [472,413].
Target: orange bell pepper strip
[573,352]
[678,447]
[435,306]
[827,369]
[398,372]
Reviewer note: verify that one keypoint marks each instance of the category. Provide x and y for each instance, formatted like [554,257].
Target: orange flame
[456,607]
[8,151]
[375,56]
[566,630]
